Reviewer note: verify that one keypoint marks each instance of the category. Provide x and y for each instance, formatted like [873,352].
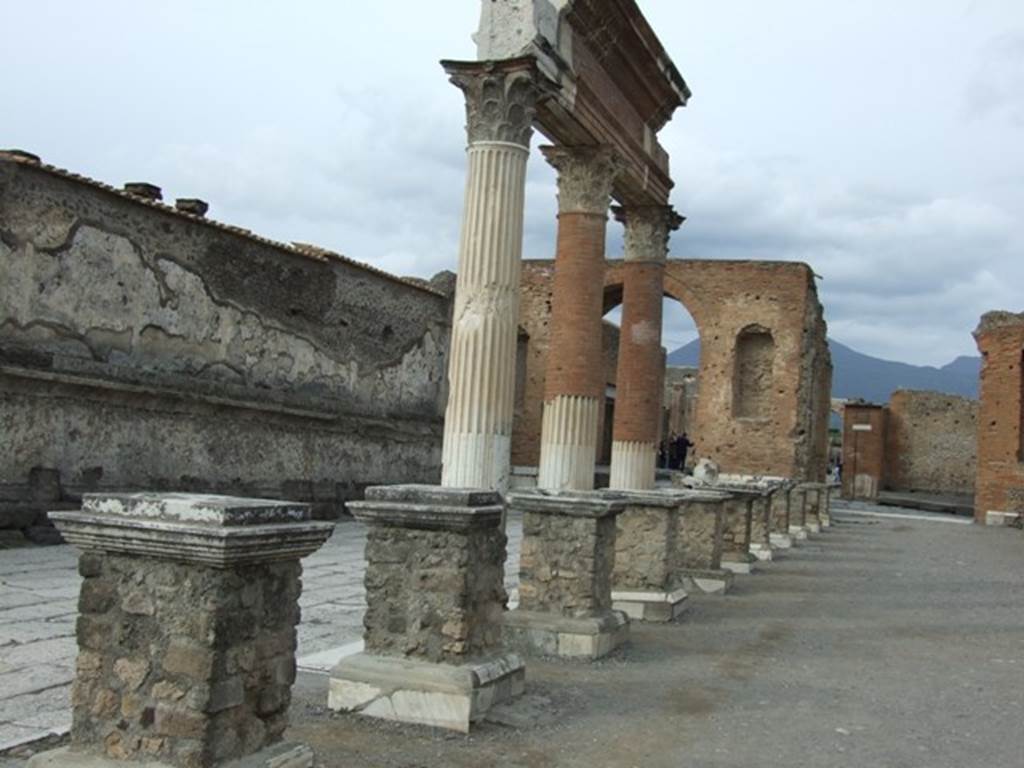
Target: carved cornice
[647,230]
[585,177]
[501,97]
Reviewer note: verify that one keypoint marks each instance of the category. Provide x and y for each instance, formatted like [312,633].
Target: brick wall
[724,298]
[1000,477]
[931,442]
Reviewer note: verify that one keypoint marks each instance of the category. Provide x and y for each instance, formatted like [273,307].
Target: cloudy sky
[881,142]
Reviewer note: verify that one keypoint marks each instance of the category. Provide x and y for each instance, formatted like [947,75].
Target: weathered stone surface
[137,355]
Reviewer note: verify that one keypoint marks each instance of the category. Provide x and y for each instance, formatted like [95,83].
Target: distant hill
[858,375]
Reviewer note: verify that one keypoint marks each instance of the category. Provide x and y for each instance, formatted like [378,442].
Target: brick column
[641,370]
[574,386]
[501,98]
[186,630]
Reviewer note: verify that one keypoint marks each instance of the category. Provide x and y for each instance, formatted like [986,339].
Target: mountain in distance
[856,375]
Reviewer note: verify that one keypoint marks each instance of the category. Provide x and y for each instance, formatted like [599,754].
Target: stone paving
[39,606]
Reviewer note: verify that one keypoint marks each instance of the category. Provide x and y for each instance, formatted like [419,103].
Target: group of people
[672,451]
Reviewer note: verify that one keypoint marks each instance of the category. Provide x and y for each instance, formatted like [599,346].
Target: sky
[880,142]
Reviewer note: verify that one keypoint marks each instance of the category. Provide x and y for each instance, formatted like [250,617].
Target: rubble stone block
[435,602]
[176,588]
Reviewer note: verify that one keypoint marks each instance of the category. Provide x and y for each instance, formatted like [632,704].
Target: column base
[826,522]
[781,540]
[762,552]
[452,696]
[650,606]
[278,756]
[814,527]
[798,532]
[712,581]
[547,634]
[738,562]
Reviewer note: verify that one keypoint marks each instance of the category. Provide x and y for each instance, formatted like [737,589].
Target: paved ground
[38,607]
[892,640]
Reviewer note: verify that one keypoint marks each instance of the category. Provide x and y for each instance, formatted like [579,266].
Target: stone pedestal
[812,505]
[760,525]
[646,583]
[186,630]
[736,528]
[798,513]
[699,543]
[779,534]
[565,570]
[434,602]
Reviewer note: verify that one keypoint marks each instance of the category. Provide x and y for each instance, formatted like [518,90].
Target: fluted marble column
[640,375]
[573,385]
[501,98]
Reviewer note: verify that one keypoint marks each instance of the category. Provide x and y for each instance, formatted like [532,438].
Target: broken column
[565,571]
[641,366]
[798,513]
[760,524]
[573,385]
[186,630]
[501,97]
[811,495]
[435,597]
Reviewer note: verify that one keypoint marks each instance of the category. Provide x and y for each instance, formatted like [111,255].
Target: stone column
[641,367]
[501,99]
[435,598]
[573,385]
[812,505]
[736,528]
[565,571]
[186,630]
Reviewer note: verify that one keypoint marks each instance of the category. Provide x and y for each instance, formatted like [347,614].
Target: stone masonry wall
[143,347]
[931,442]
[645,538]
[565,564]
[699,535]
[1000,478]
[420,601]
[154,687]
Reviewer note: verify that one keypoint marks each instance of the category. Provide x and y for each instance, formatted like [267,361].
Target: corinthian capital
[647,230]
[501,97]
[585,177]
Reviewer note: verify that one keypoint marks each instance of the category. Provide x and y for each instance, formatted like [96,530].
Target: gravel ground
[885,641]
[882,642]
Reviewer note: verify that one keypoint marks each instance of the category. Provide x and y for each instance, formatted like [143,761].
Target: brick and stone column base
[798,513]
[186,631]
[565,570]
[699,543]
[434,602]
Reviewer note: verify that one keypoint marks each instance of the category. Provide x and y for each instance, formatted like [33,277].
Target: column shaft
[501,98]
[573,385]
[481,368]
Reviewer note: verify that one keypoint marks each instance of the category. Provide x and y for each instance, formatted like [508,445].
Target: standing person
[682,444]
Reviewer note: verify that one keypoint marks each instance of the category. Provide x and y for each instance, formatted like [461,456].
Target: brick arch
[675,287]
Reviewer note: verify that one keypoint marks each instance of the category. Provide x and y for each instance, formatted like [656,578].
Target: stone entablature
[186,629]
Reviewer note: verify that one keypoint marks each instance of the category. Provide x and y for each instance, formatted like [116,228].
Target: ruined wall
[999,486]
[864,426]
[786,432]
[931,442]
[142,347]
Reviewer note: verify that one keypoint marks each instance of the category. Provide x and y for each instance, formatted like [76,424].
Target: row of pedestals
[189,604]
